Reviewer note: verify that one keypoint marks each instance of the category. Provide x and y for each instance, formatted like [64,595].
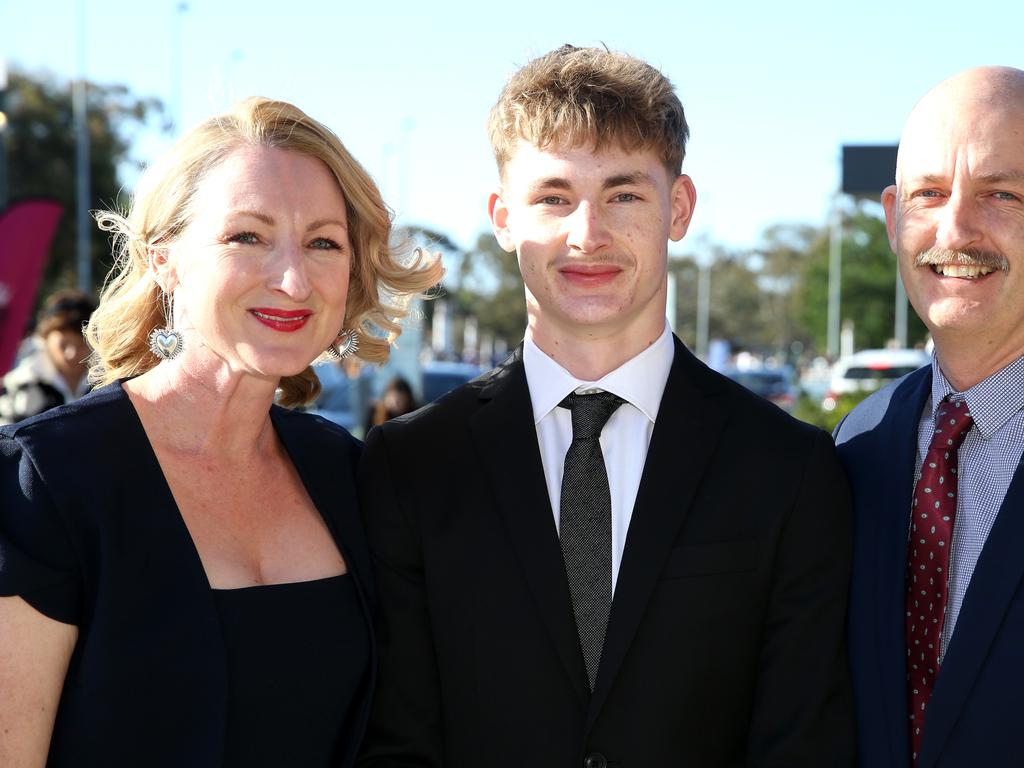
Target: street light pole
[83,183]
[835,256]
[180,9]
[4,192]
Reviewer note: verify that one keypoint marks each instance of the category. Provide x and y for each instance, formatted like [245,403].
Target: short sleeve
[37,561]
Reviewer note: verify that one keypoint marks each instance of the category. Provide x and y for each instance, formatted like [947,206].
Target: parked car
[870,369]
[773,384]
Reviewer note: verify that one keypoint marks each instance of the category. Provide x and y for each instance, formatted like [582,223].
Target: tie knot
[952,423]
[590,413]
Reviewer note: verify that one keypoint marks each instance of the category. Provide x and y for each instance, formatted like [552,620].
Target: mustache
[969,257]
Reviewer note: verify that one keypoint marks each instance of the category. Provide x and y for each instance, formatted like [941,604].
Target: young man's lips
[282,319]
[590,274]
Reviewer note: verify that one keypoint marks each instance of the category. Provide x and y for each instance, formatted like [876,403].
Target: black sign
[868,169]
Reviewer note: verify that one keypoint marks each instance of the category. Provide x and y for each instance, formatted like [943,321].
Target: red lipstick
[286,320]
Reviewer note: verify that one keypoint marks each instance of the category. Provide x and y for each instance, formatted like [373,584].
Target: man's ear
[683,200]
[162,268]
[890,199]
[498,213]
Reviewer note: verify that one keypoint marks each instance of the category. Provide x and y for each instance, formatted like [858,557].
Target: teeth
[276,318]
[959,270]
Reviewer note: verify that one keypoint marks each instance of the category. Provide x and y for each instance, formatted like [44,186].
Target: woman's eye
[245,238]
[324,244]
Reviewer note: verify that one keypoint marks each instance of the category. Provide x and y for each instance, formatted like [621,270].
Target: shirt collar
[992,401]
[639,381]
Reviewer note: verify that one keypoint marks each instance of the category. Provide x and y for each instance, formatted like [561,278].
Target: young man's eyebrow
[552,182]
[636,178]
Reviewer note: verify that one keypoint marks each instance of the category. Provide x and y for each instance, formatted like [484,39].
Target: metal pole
[703,306]
[4,191]
[176,120]
[901,312]
[83,182]
[835,255]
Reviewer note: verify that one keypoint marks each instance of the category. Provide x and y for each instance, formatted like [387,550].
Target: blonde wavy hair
[382,279]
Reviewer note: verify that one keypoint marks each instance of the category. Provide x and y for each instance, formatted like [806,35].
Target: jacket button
[595,760]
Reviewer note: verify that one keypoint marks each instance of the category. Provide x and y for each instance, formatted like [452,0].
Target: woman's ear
[162,268]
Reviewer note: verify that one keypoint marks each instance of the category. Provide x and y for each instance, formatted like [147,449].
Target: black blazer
[975,710]
[90,535]
[725,643]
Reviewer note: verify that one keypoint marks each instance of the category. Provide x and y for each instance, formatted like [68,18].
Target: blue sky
[771,90]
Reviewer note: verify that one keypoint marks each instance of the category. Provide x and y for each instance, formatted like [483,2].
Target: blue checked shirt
[988,459]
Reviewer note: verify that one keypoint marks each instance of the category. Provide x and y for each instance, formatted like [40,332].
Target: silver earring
[166,343]
[346,343]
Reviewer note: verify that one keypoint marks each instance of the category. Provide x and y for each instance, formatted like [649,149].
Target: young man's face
[591,231]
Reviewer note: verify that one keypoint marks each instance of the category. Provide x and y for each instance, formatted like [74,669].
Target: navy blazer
[90,535]
[975,711]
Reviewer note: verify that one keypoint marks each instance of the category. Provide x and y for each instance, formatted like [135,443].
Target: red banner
[26,231]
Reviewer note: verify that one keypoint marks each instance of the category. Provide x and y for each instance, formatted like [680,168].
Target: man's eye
[551,200]
[245,238]
[1007,196]
[625,197]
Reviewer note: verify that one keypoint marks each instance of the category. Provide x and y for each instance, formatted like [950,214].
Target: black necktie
[585,523]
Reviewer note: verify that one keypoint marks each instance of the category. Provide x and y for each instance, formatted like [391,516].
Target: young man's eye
[625,197]
[551,200]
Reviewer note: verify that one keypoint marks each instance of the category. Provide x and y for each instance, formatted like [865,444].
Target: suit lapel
[675,462]
[895,467]
[506,439]
[993,585]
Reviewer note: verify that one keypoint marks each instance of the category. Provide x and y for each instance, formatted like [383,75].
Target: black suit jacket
[975,709]
[725,643]
[90,535]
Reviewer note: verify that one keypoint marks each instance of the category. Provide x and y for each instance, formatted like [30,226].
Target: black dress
[90,535]
[295,661]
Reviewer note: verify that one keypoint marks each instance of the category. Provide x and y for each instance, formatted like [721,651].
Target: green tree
[41,158]
[867,289]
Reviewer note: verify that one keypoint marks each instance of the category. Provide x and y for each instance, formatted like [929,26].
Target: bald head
[955,219]
[966,107]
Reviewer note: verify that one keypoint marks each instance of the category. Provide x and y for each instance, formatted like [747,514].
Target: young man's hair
[590,96]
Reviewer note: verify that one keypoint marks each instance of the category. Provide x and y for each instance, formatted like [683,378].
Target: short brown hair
[381,277]
[579,96]
[67,310]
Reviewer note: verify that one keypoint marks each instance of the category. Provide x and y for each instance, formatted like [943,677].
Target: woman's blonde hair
[380,283]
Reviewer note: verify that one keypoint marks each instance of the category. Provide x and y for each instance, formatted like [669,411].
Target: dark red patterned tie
[931,536]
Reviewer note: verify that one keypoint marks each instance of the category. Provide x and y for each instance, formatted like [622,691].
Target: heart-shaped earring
[166,343]
[346,343]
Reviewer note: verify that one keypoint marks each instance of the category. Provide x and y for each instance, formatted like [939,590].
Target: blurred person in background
[54,370]
[397,399]
[183,574]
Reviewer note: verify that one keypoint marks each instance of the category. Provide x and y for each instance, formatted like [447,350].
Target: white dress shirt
[625,438]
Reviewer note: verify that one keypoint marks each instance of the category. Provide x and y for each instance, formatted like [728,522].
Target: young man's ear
[683,199]
[498,212]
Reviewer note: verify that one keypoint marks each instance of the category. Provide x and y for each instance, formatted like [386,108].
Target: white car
[870,369]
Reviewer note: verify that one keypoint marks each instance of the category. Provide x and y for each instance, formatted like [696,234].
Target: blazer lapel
[895,490]
[688,408]
[505,436]
[993,585]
